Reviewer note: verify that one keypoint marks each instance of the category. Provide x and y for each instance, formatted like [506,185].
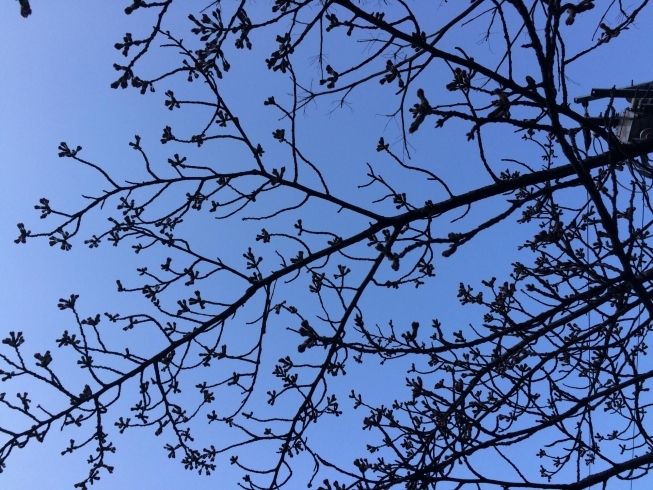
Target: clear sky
[54,86]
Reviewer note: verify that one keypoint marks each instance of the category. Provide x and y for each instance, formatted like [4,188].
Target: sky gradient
[57,67]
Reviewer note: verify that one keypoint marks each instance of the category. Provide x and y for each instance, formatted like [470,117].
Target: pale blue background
[54,86]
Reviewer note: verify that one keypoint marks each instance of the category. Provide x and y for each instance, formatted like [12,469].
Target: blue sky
[57,67]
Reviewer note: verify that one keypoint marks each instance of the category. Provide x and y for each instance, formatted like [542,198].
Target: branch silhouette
[524,378]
